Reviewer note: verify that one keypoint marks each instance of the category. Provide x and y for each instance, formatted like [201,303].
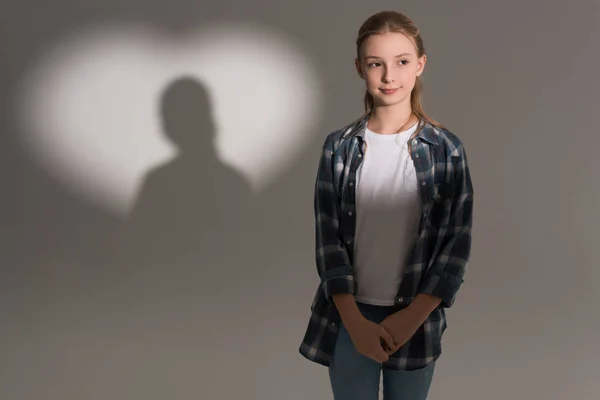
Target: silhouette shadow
[188,226]
[202,258]
[187,258]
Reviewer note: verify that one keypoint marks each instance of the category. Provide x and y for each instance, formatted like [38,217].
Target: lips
[388,91]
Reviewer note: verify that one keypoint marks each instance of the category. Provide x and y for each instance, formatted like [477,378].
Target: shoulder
[448,140]
[340,135]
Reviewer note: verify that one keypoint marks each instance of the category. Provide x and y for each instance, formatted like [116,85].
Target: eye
[373,64]
[404,62]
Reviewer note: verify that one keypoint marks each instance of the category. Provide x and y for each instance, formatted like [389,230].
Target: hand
[402,325]
[367,338]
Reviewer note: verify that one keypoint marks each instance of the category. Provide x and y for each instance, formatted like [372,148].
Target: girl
[393,214]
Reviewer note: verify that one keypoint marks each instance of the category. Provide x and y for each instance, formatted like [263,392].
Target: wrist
[348,309]
[422,306]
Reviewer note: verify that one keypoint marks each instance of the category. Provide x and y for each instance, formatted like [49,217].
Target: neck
[391,120]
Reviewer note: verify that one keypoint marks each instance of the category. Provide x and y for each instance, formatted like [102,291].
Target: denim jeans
[357,377]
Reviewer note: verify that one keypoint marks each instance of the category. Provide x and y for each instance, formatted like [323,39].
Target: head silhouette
[186,114]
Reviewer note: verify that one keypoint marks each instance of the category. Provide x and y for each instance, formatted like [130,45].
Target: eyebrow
[398,56]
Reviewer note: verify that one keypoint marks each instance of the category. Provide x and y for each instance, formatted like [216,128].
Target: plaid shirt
[437,261]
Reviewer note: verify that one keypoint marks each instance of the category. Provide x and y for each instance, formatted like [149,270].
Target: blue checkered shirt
[438,258]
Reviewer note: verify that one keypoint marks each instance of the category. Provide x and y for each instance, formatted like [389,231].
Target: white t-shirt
[387,214]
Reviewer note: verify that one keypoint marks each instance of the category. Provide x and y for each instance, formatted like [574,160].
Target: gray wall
[203,290]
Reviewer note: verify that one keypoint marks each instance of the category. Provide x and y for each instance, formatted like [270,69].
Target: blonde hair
[392,21]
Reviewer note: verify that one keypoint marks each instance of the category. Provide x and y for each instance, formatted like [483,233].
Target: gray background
[95,308]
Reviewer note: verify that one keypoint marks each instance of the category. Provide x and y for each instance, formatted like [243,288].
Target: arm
[333,263]
[446,274]
[348,309]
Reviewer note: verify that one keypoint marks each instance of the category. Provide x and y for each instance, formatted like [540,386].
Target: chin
[389,102]
[396,99]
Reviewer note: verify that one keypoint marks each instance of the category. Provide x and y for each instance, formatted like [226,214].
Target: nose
[387,76]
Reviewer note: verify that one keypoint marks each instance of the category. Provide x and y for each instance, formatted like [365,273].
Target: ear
[358,68]
[421,64]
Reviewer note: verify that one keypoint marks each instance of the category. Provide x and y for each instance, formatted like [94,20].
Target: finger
[389,340]
[383,343]
[382,356]
[376,355]
[385,347]
[388,349]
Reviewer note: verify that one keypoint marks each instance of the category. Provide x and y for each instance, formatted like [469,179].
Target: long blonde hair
[392,21]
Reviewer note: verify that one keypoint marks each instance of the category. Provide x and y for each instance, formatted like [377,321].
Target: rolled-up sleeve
[445,276]
[333,263]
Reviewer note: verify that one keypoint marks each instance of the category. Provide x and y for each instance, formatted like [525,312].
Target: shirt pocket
[440,205]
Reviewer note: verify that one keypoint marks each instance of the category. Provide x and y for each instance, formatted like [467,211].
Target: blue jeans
[356,377]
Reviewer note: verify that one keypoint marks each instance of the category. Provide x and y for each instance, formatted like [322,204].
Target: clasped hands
[379,341]
[401,326]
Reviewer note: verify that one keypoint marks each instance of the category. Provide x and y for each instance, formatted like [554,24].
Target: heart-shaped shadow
[89,106]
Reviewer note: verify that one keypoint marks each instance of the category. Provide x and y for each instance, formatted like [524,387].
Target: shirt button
[417,156]
[423,183]
[351,183]
[360,156]
[349,212]
[400,299]
[348,241]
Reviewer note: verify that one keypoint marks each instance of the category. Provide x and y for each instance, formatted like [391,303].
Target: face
[390,66]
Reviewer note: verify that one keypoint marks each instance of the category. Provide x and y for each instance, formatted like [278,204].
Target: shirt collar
[358,128]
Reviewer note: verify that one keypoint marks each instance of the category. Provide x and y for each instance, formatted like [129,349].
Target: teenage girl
[393,214]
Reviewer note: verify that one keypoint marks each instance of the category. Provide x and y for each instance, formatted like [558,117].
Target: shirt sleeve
[446,273]
[333,263]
